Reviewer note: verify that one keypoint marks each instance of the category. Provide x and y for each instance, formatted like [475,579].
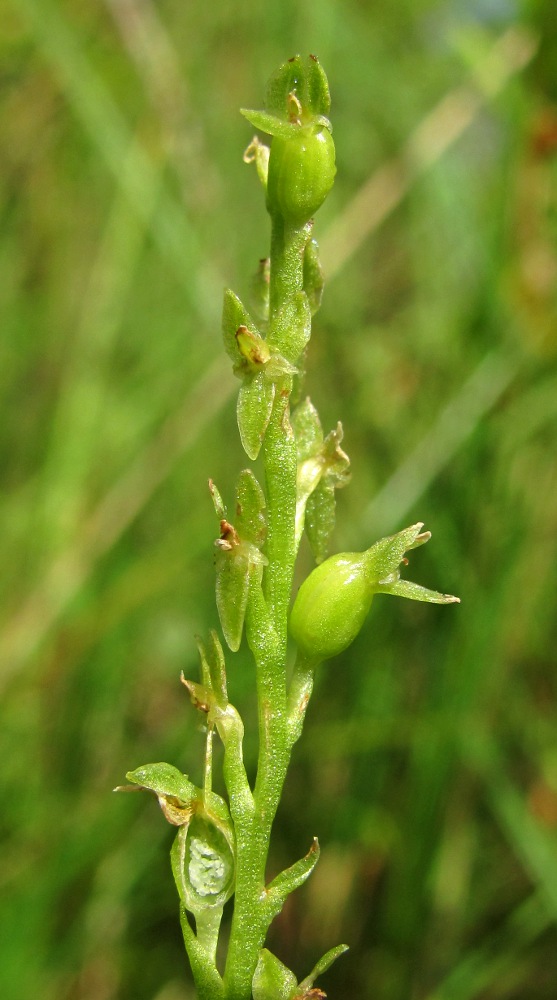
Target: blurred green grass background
[429,763]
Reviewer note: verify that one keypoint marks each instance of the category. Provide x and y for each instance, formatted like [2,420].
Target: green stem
[279,452]
[267,634]
[287,262]
[208,982]
[207,926]
[251,918]
[231,732]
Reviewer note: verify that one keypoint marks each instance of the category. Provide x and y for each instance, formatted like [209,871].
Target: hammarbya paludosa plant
[221,848]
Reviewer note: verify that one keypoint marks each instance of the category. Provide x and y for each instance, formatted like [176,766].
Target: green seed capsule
[301,174]
[332,605]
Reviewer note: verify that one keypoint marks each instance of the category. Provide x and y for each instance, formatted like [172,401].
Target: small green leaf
[251,521]
[218,503]
[234,315]
[313,275]
[213,670]
[291,328]
[322,965]
[322,467]
[272,980]
[260,288]
[290,879]
[255,402]
[232,588]
[320,518]
[307,430]
[217,669]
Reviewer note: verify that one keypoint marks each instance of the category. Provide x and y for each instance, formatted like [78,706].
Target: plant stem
[279,452]
[287,262]
[267,634]
[208,983]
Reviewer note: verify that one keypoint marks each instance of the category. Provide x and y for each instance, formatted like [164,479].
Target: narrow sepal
[213,670]
[405,588]
[272,980]
[384,558]
[322,965]
[255,402]
[269,123]
[305,79]
[318,94]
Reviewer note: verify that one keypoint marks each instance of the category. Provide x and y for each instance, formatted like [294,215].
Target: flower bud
[301,173]
[332,604]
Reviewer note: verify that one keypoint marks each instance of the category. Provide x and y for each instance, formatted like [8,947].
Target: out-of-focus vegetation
[429,762]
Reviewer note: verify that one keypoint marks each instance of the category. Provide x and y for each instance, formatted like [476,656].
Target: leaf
[291,878]
[313,275]
[272,980]
[232,587]
[218,503]
[320,518]
[234,315]
[255,402]
[217,669]
[307,430]
[251,521]
[213,671]
[291,328]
